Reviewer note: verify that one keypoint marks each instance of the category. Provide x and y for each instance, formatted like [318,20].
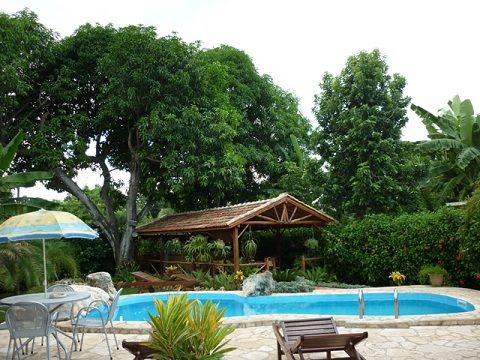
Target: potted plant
[433,274]
[250,249]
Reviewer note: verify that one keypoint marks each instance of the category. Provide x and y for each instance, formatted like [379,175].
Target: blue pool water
[137,307]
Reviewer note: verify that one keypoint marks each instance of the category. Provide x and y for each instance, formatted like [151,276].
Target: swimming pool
[137,307]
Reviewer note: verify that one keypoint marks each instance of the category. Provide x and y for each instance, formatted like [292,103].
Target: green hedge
[366,251]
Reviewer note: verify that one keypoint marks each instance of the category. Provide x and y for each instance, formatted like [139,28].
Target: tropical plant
[197,249]
[18,268]
[311,246]
[455,148]
[427,270]
[188,329]
[319,275]
[219,249]
[10,206]
[61,262]
[250,248]
[285,275]
[173,246]
[124,271]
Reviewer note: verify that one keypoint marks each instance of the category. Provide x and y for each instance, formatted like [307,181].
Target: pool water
[137,307]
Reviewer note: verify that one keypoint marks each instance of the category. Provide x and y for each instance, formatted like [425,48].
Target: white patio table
[52,302]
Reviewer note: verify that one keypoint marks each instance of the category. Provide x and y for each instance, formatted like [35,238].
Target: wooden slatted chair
[151,282]
[315,335]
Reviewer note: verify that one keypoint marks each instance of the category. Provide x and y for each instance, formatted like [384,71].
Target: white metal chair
[98,314]
[66,311]
[28,320]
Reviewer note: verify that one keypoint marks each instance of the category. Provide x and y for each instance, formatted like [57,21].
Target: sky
[433,44]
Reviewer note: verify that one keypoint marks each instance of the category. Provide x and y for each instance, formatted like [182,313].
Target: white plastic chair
[98,314]
[28,320]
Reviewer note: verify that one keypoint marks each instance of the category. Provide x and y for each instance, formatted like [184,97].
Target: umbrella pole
[44,268]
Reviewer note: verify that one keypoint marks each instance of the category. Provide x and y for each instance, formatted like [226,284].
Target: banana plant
[10,206]
[455,147]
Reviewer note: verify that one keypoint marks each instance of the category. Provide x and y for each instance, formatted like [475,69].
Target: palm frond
[441,144]
[467,156]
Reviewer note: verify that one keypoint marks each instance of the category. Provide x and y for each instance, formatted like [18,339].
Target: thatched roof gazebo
[229,223]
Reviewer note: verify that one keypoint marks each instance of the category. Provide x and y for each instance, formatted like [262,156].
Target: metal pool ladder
[395,303]
[361,304]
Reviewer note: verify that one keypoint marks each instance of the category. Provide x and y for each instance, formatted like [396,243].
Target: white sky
[434,44]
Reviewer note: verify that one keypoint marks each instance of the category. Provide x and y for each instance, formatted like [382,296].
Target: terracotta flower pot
[436,279]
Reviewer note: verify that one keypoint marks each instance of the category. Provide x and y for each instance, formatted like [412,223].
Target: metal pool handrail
[361,304]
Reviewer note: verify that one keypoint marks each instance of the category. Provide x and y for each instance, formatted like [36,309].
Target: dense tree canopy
[361,113]
[191,126]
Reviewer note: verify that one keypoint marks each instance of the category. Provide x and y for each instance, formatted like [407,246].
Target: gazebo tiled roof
[279,212]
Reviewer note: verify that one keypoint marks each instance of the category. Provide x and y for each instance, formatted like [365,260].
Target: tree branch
[74,189]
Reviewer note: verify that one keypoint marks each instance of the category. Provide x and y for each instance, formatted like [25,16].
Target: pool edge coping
[466,318]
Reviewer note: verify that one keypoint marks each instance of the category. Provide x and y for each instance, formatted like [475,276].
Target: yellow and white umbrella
[45,224]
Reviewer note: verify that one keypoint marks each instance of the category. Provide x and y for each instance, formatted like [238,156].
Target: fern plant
[188,329]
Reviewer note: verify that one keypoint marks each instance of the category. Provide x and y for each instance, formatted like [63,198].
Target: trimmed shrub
[366,251]
[300,284]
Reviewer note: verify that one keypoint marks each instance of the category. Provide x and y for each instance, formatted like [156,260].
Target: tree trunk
[108,230]
[125,250]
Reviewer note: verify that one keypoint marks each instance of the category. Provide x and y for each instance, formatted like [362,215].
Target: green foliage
[365,251]
[93,255]
[145,105]
[124,272]
[197,249]
[21,263]
[61,262]
[18,268]
[360,114]
[188,329]
[222,281]
[300,284]
[219,249]
[319,275]
[470,239]
[174,246]
[10,206]
[454,146]
[150,247]
[427,270]
[250,248]
[285,275]
[311,245]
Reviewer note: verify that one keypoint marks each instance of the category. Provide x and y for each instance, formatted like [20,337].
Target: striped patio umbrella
[44,225]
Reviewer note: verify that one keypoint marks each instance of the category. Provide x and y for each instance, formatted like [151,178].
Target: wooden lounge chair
[151,282]
[315,335]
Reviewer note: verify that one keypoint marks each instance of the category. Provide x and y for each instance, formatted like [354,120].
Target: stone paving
[258,343]
[449,337]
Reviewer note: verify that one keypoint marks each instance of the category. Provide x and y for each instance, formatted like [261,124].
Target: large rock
[258,284]
[95,294]
[102,280]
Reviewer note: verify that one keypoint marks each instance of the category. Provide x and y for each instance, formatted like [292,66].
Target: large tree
[360,114]
[455,149]
[167,113]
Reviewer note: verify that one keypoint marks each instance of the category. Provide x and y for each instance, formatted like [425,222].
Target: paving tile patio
[258,343]
[449,337]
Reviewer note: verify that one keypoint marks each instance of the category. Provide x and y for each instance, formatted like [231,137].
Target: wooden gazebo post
[236,249]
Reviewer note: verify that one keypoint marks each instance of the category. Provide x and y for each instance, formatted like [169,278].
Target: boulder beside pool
[102,280]
[258,284]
